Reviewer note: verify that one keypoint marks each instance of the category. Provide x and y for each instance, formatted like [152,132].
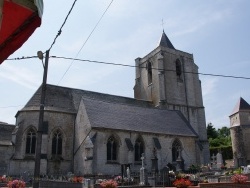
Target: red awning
[18,20]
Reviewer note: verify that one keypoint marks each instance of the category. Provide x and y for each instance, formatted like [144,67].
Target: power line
[132,66]
[20,58]
[10,106]
[85,41]
[60,30]
[166,70]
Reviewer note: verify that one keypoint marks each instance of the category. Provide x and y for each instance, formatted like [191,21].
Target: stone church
[86,132]
[240,133]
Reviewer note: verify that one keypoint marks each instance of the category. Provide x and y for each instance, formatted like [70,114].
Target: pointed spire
[241,105]
[165,42]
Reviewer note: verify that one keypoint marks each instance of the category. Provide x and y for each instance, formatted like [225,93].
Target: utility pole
[40,125]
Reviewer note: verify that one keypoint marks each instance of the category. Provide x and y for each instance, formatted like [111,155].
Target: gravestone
[213,161]
[246,169]
[25,176]
[143,176]
[219,160]
[128,173]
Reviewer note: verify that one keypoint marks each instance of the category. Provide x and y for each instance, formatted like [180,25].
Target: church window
[31,141]
[178,67]
[139,149]
[149,67]
[111,149]
[57,143]
[176,149]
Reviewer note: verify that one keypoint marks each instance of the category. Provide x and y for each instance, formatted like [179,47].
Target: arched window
[31,141]
[176,149]
[178,67]
[112,149]
[139,148]
[57,143]
[149,73]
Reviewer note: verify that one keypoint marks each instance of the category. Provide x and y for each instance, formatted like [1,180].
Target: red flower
[77,179]
[109,184]
[16,184]
[239,178]
[182,183]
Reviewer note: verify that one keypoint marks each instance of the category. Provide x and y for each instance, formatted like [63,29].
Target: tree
[211,131]
[219,140]
[224,132]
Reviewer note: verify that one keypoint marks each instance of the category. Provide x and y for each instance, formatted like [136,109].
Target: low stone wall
[224,185]
[59,184]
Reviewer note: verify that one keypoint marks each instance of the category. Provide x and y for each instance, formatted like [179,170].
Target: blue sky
[217,33]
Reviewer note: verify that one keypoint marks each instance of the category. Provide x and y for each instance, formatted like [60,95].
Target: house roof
[241,106]
[6,133]
[113,115]
[165,42]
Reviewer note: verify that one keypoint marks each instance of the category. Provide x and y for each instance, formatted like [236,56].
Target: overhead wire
[125,65]
[86,41]
[20,58]
[166,70]
[10,106]
[60,30]
[132,66]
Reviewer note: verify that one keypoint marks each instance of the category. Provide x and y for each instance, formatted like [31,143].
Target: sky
[217,33]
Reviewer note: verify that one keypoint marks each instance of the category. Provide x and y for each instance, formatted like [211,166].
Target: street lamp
[40,125]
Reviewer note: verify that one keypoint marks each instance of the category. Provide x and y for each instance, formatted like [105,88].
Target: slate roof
[68,99]
[112,115]
[165,42]
[6,133]
[113,112]
[240,106]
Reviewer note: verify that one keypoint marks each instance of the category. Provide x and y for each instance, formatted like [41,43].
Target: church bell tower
[169,78]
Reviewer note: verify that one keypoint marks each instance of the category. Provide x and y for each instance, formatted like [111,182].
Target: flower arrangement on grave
[3,178]
[239,178]
[16,184]
[77,179]
[109,184]
[182,183]
[118,179]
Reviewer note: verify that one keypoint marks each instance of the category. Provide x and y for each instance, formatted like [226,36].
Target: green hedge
[226,151]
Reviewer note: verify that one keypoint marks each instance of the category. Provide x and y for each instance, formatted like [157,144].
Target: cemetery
[169,176]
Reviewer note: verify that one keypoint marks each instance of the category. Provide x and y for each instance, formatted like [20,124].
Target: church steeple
[165,42]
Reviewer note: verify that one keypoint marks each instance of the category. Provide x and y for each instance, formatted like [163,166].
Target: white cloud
[190,23]
[21,76]
[209,86]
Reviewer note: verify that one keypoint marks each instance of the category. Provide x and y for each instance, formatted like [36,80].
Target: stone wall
[82,138]
[64,122]
[176,92]
[5,155]
[58,184]
[125,156]
[224,185]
